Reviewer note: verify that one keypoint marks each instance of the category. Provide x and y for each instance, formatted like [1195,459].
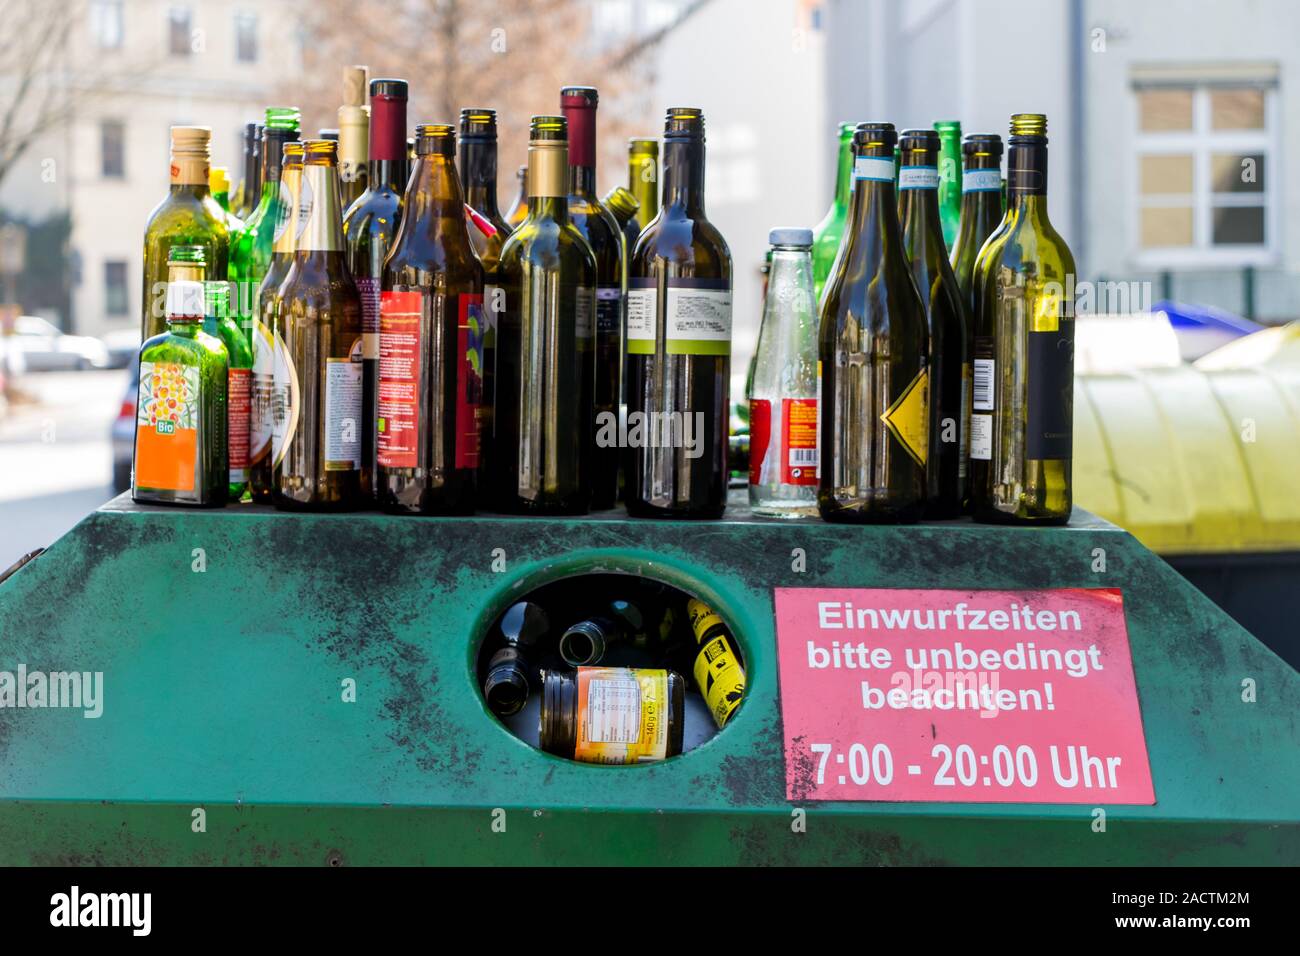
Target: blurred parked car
[47,349]
[123,346]
[122,433]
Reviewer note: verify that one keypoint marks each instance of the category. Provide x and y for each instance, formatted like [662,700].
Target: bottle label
[918,177]
[188,170]
[584,304]
[1049,426]
[306,204]
[369,289]
[398,421]
[238,383]
[908,419]
[963,439]
[273,397]
[717,670]
[622,715]
[873,168]
[981,436]
[284,211]
[760,437]
[469,380]
[343,377]
[696,316]
[609,300]
[799,441]
[984,369]
[981,181]
[167,427]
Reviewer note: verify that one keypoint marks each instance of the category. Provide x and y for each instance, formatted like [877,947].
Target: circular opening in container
[611,668]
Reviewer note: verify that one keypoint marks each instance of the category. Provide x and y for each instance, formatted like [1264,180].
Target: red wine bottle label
[760,437]
[398,421]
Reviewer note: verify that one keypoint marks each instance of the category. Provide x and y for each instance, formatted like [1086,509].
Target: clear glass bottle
[783,396]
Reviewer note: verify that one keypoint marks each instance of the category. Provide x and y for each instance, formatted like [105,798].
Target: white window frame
[240,15]
[100,11]
[1201,142]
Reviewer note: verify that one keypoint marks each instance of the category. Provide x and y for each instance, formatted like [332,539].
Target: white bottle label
[873,168]
[981,437]
[981,181]
[983,390]
[343,413]
[641,321]
[918,177]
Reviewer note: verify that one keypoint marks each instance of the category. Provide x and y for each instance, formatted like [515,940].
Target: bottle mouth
[506,689]
[684,123]
[881,136]
[643,147]
[582,644]
[1029,125]
[478,123]
[548,130]
[982,144]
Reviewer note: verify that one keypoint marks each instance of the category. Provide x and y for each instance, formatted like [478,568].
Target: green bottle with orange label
[180,436]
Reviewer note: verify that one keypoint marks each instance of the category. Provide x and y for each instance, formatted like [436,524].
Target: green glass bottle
[643,178]
[949,178]
[318,465]
[946,491]
[477,159]
[430,343]
[981,208]
[250,250]
[250,187]
[601,230]
[219,186]
[369,225]
[219,323]
[546,337]
[624,206]
[1023,400]
[180,433]
[189,216]
[679,343]
[828,233]
[267,414]
[873,353]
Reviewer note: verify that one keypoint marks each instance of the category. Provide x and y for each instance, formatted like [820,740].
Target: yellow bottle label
[702,617]
[908,419]
[622,715]
[717,671]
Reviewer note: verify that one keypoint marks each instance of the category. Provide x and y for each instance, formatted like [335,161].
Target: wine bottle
[318,465]
[477,157]
[189,216]
[981,209]
[250,187]
[546,358]
[828,233]
[679,343]
[946,481]
[1023,402]
[180,435]
[354,136]
[519,208]
[267,417]
[219,322]
[643,178]
[430,343]
[624,207]
[873,356]
[601,230]
[250,249]
[369,225]
[949,178]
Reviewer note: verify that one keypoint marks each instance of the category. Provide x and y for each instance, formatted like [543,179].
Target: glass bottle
[189,216]
[643,178]
[354,136]
[221,325]
[981,208]
[783,394]
[250,187]
[873,356]
[180,435]
[430,343]
[946,480]
[679,343]
[546,358]
[519,208]
[318,465]
[268,408]
[828,233]
[1022,418]
[949,179]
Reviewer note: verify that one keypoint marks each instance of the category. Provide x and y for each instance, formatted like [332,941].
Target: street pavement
[55,456]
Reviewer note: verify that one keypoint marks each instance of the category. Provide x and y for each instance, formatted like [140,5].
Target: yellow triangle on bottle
[908,419]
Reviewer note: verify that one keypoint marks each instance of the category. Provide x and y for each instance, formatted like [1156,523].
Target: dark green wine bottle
[873,354]
[981,208]
[679,343]
[219,322]
[947,485]
[546,359]
[1022,417]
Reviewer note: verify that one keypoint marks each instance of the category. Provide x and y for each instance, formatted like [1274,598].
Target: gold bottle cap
[191,139]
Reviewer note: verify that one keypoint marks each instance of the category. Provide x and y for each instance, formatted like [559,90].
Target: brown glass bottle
[679,343]
[873,354]
[430,343]
[946,478]
[320,466]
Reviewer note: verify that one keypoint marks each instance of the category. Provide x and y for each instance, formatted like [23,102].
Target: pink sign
[959,696]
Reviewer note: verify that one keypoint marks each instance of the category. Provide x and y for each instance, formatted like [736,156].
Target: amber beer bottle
[679,343]
[873,355]
[430,343]
[318,464]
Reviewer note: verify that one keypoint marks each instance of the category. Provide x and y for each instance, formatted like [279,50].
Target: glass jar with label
[612,715]
[783,396]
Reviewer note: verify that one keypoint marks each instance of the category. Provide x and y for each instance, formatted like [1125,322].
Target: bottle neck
[683,175]
[478,170]
[981,200]
[387,173]
[548,168]
[319,222]
[873,210]
[918,200]
[844,174]
[582,150]
[582,181]
[434,193]
[1026,172]
[388,165]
